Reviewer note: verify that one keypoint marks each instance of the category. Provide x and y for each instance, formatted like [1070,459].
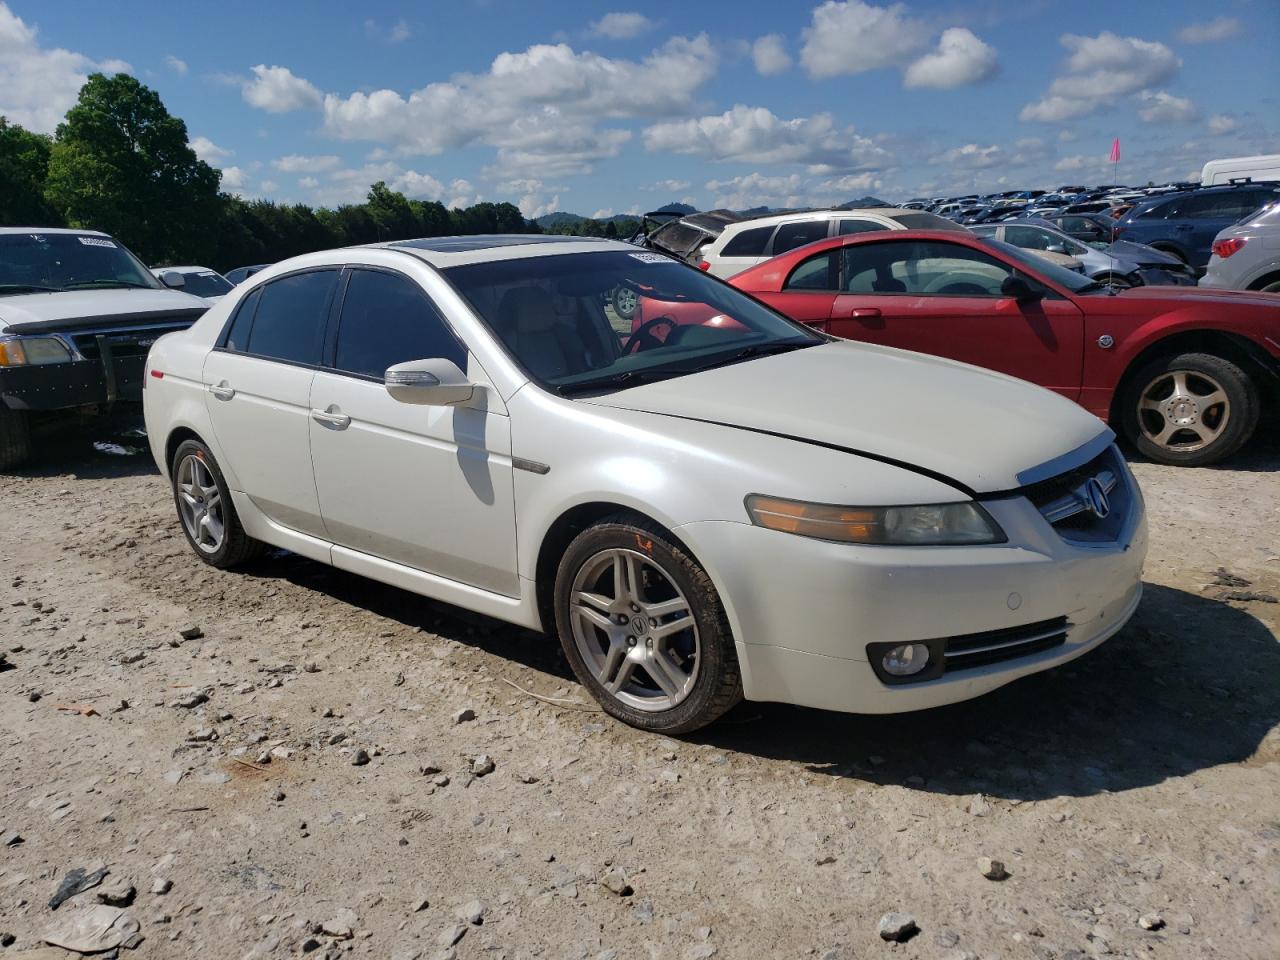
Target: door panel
[429,487]
[262,428]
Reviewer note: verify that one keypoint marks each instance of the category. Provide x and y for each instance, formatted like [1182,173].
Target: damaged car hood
[982,431]
[32,312]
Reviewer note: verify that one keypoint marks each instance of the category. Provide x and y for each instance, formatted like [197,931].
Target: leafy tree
[24,164]
[121,163]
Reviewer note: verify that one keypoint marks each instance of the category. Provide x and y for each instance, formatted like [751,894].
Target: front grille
[1070,502]
[122,343]
[994,646]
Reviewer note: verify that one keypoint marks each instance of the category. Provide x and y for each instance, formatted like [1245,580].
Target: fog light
[905,660]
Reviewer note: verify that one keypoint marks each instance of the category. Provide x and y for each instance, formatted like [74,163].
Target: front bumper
[79,383]
[804,611]
[1161,277]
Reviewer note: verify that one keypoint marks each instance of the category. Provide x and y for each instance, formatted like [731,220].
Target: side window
[1030,238]
[860,226]
[792,235]
[238,332]
[1162,211]
[289,322]
[387,319]
[816,273]
[923,267]
[748,243]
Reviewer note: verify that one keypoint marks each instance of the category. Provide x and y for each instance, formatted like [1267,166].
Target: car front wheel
[15,437]
[1190,410]
[644,629]
[205,510]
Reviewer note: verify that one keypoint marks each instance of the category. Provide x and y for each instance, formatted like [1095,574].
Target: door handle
[339,421]
[223,390]
[864,313]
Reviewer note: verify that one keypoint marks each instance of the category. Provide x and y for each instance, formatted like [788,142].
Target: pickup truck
[78,313]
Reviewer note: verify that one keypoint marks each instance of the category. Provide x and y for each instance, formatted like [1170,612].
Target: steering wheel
[643,338]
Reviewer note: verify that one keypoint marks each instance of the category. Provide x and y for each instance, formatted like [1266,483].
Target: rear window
[928,221]
[678,238]
[748,243]
[290,319]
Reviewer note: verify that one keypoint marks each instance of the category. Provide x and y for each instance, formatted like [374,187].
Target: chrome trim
[1068,461]
[1062,629]
[1072,503]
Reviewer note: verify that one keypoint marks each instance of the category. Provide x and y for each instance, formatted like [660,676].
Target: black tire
[1119,280]
[717,685]
[1171,251]
[15,437]
[1243,410]
[237,547]
[1272,285]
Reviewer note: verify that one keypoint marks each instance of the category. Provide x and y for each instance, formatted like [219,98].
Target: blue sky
[601,108]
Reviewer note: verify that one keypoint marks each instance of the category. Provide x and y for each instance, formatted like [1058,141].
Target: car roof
[484,248]
[83,233]
[184,269]
[773,219]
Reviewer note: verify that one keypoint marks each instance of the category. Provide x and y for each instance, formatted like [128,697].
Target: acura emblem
[1094,496]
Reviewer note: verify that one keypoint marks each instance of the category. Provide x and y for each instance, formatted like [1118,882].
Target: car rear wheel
[625,301]
[206,511]
[1272,287]
[1119,281]
[15,437]
[644,629]
[1190,410]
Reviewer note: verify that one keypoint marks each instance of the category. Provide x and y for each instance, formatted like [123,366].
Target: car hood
[29,312]
[980,431]
[1139,253]
[1178,296]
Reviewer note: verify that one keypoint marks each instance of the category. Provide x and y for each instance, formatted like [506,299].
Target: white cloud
[1099,71]
[795,190]
[960,59]
[854,37]
[177,66]
[971,156]
[1164,107]
[622,26]
[234,180]
[398,32]
[541,107]
[1081,162]
[308,183]
[267,186]
[277,90]
[297,163]
[770,55]
[602,213]
[208,151]
[38,84]
[1220,28]
[668,186]
[351,185]
[755,134]
[1222,123]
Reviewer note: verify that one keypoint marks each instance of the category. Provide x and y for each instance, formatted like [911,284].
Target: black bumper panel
[63,386]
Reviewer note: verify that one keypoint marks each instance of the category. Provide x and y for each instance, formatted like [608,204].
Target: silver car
[1120,264]
[1246,256]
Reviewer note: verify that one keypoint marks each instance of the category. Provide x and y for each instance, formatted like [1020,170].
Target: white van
[1266,167]
[749,242]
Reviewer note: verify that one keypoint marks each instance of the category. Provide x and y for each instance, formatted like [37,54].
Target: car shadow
[89,448]
[1188,684]
[1260,455]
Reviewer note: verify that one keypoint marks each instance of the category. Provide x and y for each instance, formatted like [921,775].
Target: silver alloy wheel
[200,504]
[1183,411]
[625,301]
[634,629]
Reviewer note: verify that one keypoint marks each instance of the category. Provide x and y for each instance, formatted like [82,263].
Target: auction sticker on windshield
[96,242]
[650,257]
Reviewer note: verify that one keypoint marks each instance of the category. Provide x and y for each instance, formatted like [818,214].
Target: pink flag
[1115,150]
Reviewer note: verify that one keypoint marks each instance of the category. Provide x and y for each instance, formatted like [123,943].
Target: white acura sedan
[728,506]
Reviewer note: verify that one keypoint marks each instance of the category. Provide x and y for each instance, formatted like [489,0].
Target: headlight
[932,524]
[32,351]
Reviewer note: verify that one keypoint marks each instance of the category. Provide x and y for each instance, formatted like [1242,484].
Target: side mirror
[1019,288]
[436,383]
[173,280]
[1056,248]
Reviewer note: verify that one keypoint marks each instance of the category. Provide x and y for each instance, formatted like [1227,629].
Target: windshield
[206,283]
[67,261]
[579,323]
[1075,282]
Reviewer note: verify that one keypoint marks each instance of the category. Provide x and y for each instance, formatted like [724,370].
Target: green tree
[24,165]
[121,163]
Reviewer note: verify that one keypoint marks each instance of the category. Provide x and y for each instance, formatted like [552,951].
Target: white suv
[743,245]
[699,518]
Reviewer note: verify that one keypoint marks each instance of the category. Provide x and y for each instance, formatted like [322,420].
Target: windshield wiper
[15,287]
[630,377]
[1092,286]
[753,351]
[108,283]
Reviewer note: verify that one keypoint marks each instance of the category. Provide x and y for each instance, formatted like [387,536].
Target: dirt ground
[322,798]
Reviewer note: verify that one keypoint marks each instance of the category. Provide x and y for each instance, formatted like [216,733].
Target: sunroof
[465,244]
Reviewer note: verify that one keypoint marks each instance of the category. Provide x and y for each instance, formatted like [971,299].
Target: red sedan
[1182,372]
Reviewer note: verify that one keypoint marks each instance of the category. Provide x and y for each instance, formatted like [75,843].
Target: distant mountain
[681,208]
[555,219]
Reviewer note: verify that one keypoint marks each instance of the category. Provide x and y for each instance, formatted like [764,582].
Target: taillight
[1225,248]
[704,265]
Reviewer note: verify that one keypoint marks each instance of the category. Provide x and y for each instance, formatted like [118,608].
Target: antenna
[1115,182]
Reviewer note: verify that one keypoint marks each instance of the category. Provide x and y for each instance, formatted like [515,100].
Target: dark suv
[1184,224]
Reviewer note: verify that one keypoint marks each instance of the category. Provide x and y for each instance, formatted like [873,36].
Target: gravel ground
[280,761]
